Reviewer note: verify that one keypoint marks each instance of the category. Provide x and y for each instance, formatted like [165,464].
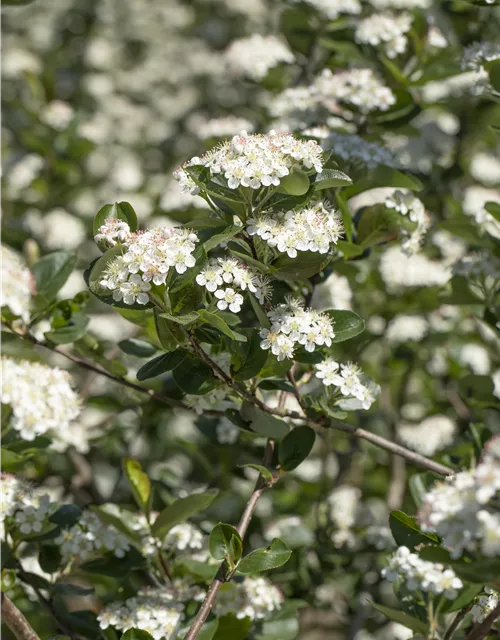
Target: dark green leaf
[66,516]
[223,236]
[181,510]
[383,176]
[52,271]
[232,628]
[139,348]
[486,570]
[49,558]
[136,634]
[184,319]
[465,597]
[192,374]
[346,324]
[161,364]
[254,358]
[70,332]
[305,265]
[402,618]
[265,558]
[295,447]
[259,312]
[406,532]
[139,482]
[273,385]
[208,630]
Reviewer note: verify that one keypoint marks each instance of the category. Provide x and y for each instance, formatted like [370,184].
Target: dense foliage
[250,320]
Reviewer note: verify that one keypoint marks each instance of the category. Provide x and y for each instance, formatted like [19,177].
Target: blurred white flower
[431,435]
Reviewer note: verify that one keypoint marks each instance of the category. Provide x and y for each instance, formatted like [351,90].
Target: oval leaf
[161,364]
[139,482]
[346,324]
[295,447]
[181,510]
[52,271]
[265,558]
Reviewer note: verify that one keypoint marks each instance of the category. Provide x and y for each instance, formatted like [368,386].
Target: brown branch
[16,621]
[481,630]
[456,622]
[222,573]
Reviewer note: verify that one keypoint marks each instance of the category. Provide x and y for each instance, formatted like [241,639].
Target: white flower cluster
[214,399]
[477,53]
[399,270]
[462,509]
[405,327]
[222,127]
[334,293]
[485,605]
[17,284]
[431,435]
[90,536]
[410,570]
[56,229]
[387,29]
[348,378]
[357,87]
[315,228]
[220,272]
[183,537]
[332,10]
[30,508]
[292,325]
[41,397]
[357,150]
[254,56]
[256,160]
[114,231]
[254,598]
[148,256]
[408,205]
[401,4]
[155,610]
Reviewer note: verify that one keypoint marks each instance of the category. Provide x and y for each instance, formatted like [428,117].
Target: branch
[16,621]
[457,620]
[481,630]
[242,528]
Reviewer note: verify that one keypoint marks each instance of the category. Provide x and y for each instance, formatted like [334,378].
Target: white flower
[17,284]
[407,205]
[112,232]
[385,28]
[327,371]
[89,536]
[30,519]
[41,397]
[222,127]
[350,382]
[255,56]
[431,435]
[485,605]
[400,271]
[229,298]
[358,87]
[333,10]
[410,570]
[403,328]
[184,536]
[210,277]
[57,114]
[134,289]
[357,150]
[255,598]
[255,160]
[226,432]
[57,229]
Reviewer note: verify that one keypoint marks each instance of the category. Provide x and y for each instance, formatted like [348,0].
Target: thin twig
[481,630]
[456,622]
[242,528]
[16,621]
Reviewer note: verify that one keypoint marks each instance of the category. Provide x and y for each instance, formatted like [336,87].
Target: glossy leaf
[263,423]
[218,323]
[266,558]
[161,364]
[191,375]
[139,482]
[346,324]
[220,541]
[52,271]
[181,510]
[120,210]
[406,532]
[254,358]
[295,447]
[402,618]
[138,348]
[331,178]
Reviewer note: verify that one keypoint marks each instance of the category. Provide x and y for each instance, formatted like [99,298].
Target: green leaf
[66,516]
[7,579]
[402,618]
[264,471]
[208,630]
[494,209]
[418,484]
[49,558]
[329,179]
[349,249]
[121,210]
[380,224]
[263,423]
[465,597]
[223,236]
[165,332]
[486,570]
[265,558]
[251,261]
[406,532]
[139,482]
[74,330]
[347,220]
[181,510]
[494,73]
[253,360]
[295,447]
[52,271]
[161,364]
[193,373]
[220,538]
[185,319]
[218,323]
[138,348]
[66,589]
[115,567]
[109,519]
[136,634]
[273,385]
[305,265]
[477,388]
[259,312]
[232,628]
[296,183]
[383,176]
[346,324]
